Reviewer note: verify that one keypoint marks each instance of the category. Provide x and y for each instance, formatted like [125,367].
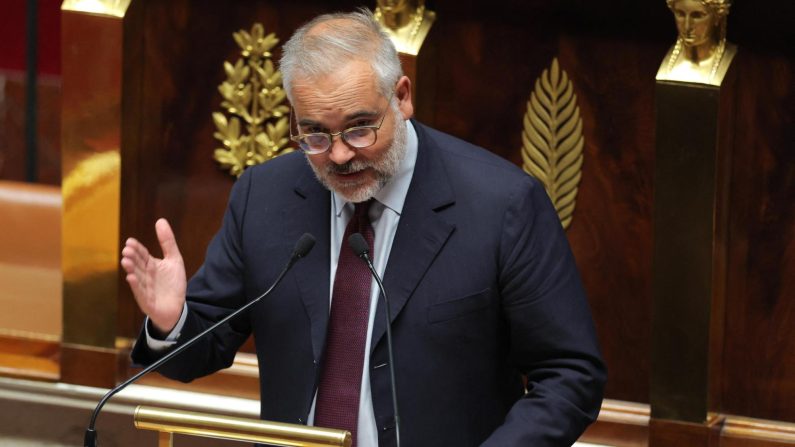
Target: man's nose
[339,152]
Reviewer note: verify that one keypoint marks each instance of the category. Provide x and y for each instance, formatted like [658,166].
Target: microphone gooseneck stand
[302,248]
[362,250]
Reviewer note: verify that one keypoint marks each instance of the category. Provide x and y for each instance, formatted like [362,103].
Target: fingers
[135,284]
[135,252]
[165,236]
[134,260]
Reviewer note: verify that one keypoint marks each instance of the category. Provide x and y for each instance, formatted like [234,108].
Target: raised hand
[158,284]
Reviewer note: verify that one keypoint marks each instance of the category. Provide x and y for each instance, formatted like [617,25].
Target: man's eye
[361,123]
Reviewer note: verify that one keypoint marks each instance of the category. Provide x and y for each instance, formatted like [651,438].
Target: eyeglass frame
[330,135]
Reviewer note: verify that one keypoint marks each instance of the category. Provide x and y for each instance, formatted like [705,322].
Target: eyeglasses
[358,136]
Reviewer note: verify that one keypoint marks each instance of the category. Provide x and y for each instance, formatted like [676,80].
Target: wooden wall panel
[611,233]
[13,78]
[12,127]
[759,351]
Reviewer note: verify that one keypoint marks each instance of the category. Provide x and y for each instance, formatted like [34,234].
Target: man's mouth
[348,169]
[350,175]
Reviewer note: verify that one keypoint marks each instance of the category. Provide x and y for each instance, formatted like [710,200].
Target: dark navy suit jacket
[482,286]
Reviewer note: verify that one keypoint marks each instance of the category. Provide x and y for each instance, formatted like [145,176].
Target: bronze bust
[406,21]
[701,53]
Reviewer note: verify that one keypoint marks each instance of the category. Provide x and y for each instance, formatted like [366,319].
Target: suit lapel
[420,236]
[310,213]
[421,233]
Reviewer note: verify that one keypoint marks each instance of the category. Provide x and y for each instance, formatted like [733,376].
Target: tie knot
[361,209]
[361,215]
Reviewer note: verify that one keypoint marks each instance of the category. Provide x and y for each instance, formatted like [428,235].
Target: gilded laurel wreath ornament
[552,141]
[256,128]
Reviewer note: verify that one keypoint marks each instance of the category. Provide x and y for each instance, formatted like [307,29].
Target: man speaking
[483,289]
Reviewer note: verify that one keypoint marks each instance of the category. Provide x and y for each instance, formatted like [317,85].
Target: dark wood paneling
[611,233]
[759,352]
[13,48]
[616,434]
[29,358]
[624,424]
[12,128]
[620,424]
[90,366]
[667,433]
[48,133]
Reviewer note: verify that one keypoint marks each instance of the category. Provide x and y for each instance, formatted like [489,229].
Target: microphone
[302,248]
[362,250]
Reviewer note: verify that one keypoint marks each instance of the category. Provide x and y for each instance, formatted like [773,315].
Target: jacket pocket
[458,307]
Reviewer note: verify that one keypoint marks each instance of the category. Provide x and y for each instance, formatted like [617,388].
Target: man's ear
[403,95]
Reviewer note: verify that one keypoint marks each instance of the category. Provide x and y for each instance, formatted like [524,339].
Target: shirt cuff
[171,339]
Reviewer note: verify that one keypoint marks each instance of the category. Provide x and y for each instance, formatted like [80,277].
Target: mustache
[347,168]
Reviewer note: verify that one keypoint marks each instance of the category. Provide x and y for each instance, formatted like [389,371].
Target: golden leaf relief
[552,140]
[256,127]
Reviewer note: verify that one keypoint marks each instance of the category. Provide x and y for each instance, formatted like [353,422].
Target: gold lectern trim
[552,140]
[252,93]
[237,428]
[115,8]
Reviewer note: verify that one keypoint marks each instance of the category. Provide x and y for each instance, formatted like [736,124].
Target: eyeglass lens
[356,136]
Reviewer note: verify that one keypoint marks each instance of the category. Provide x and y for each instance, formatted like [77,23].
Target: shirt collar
[393,194]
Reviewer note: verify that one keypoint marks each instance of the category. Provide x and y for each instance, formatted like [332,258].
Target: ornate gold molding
[252,93]
[552,141]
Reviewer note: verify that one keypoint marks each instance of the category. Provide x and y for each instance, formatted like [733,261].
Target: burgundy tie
[341,378]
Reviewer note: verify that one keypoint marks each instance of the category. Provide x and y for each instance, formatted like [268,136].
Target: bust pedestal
[693,152]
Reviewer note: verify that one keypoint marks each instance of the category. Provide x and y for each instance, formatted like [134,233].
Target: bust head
[393,6]
[701,53]
[700,22]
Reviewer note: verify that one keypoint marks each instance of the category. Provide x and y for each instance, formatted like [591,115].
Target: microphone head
[358,244]
[303,246]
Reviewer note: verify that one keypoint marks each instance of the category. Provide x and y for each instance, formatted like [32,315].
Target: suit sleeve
[215,291]
[552,337]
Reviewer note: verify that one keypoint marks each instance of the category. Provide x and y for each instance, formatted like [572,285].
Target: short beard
[385,168]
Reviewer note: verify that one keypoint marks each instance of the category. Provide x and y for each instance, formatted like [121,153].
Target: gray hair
[359,38]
